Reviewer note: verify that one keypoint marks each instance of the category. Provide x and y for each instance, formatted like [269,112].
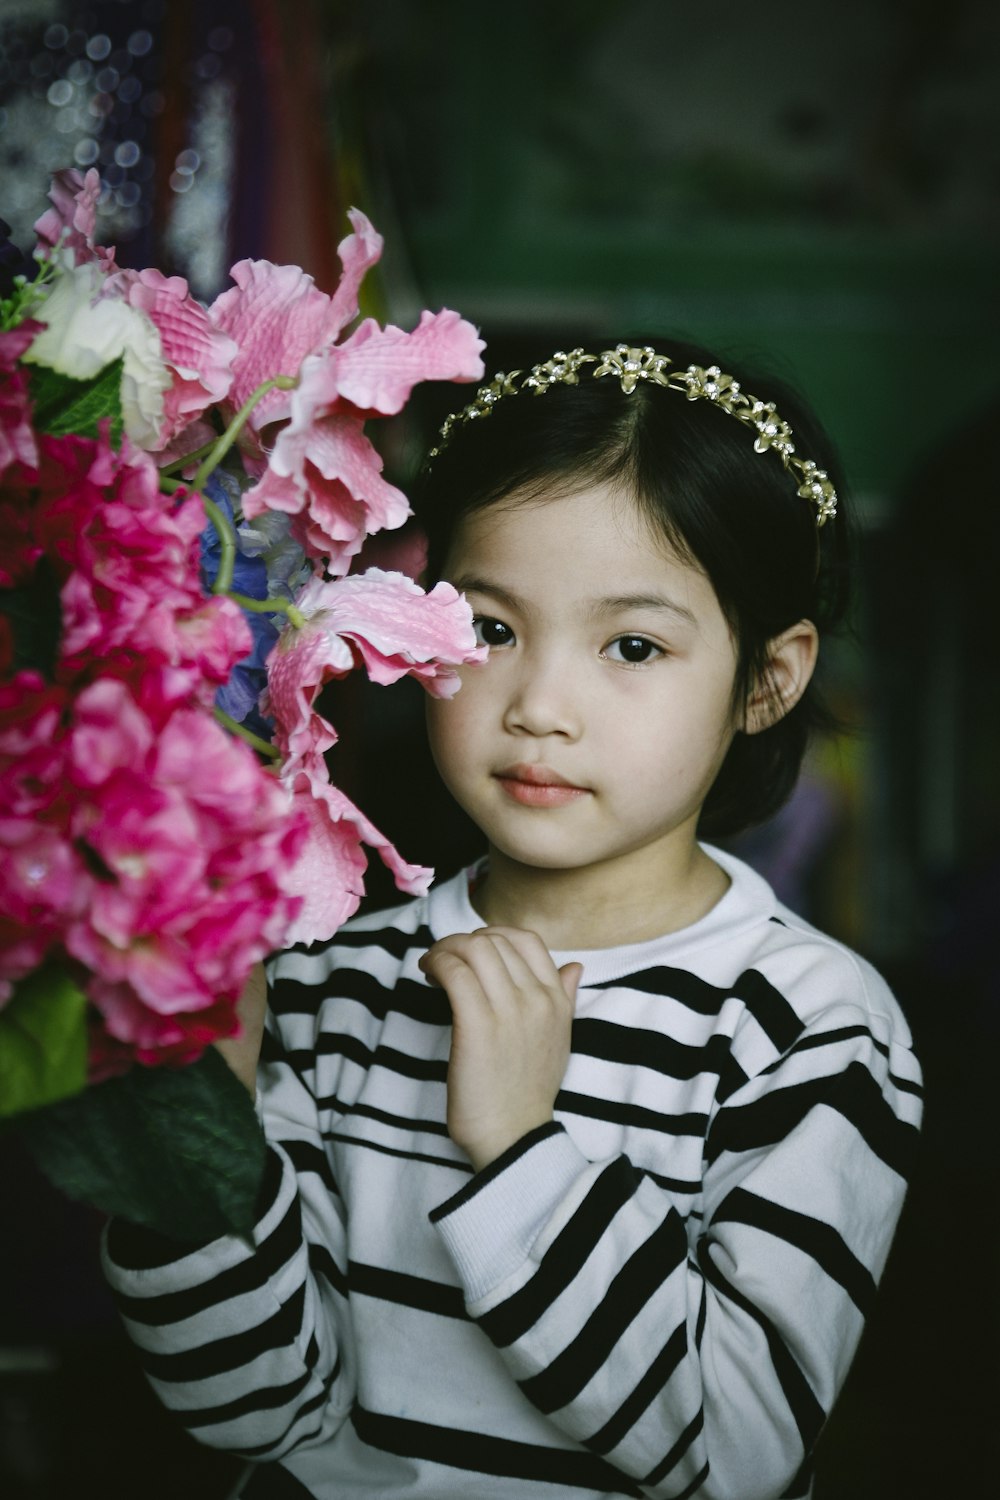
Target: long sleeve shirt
[657,1294]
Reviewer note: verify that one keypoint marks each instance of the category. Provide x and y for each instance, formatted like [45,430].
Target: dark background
[816,188]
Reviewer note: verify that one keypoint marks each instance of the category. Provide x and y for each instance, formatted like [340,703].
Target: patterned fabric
[658,1294]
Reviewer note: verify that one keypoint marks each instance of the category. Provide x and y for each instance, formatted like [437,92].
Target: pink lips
[538,786]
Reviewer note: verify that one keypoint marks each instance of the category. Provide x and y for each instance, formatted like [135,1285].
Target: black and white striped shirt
[659,1294]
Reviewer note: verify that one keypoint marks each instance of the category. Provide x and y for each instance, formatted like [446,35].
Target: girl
[583,1169]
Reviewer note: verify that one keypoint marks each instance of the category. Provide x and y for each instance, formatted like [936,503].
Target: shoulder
[813,979]
[817,973]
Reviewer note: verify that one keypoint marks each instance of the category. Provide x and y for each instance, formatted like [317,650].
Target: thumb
[571,974]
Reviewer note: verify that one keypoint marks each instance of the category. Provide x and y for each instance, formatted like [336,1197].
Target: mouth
[538,786]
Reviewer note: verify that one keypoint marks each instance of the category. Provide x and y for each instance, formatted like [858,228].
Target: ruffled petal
[358,253]
[199,357]
[277,315]
[69,224]
[326,471]
[377,368]
[329,873]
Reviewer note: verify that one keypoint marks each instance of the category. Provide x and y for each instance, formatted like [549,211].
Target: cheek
[448,728]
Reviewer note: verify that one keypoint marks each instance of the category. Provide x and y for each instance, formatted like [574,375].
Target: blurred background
[814,189]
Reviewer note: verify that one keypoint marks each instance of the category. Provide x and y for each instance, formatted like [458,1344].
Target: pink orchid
[323,469]
[329,872]
[326,473]
[70,222]
[199,357]
[384,620]
[278,315]
[376,369]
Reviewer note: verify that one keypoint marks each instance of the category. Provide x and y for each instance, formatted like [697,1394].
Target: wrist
[489,1147]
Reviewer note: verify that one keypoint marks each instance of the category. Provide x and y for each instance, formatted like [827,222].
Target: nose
[544,698]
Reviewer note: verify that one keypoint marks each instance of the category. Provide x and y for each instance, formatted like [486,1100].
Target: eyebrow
[619,603]
[611,605]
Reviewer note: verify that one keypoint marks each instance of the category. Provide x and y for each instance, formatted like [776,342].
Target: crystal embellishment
[630,366]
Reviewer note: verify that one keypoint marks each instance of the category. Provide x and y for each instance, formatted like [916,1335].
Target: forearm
[239,1340]
[706,1362]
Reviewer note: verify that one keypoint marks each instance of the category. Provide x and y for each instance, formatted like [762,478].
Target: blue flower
[268,565]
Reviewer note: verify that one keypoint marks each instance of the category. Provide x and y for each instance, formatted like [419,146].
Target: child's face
[594,731]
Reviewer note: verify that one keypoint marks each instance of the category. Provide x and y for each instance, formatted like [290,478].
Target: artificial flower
[184,490]
[383,620]
[67,228]
[85,331]
[18,444]
[329,872]
[198,356]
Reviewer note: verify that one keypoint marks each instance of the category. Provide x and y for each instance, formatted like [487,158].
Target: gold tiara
[632,365]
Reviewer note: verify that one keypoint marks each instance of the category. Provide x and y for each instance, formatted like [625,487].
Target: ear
[791,660]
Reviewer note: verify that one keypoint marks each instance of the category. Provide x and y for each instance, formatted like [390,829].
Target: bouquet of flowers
[183,493]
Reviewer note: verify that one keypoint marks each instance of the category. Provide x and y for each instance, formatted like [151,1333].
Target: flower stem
[227,545]
[270,607]
[189,458]
[219,449]
[262,746]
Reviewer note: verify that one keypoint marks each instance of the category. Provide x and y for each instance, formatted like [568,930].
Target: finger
[472,970]
[571,974]
[450,972]
[532,951]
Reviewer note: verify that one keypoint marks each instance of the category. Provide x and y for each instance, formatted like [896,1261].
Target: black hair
[694,473]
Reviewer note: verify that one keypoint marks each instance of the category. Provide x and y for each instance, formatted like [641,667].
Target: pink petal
[199,356]
[277,315]
[358,253]
[377,368]
[299,664]
[397,628]
[384,620]
[72,218]
[327,470]
[328,874]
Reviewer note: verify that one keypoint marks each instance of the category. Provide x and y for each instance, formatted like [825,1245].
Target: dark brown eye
[633,649]
[491,632]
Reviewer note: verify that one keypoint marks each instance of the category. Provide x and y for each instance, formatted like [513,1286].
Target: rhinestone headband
[632,365]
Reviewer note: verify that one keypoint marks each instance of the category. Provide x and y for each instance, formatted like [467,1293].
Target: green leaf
[43,1041]
[178,1150]
[63,405]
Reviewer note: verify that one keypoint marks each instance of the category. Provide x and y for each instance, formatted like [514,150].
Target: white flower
[86,331]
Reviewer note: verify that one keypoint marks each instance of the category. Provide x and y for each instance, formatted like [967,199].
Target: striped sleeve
[701,1364]
[247,1344]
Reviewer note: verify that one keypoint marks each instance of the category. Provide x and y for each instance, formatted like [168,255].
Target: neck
[627,900]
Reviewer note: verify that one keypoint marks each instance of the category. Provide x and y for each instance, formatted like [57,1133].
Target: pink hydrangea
[42,878]
[69,224]
[127,556]
[188,836]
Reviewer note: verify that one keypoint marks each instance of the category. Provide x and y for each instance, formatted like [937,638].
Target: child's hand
[512,1011]
[242,1052]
